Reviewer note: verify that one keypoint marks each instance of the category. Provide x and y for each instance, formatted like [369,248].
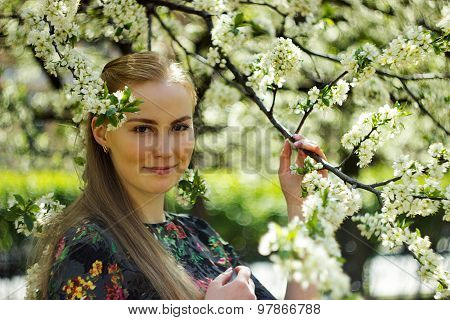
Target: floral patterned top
[89,263]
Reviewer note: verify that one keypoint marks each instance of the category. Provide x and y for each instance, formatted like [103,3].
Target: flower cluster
[393,235]
[407,49]
[304,259]
[401,204]
[32,216]
[402,198]
[370,224]
[327,202]
[304,247]
[270,69]
[129,21]
[322,99]
[32,282]
[229,31]
[431,268]
[359,63]
[446,204]
[372,130]
[301,7]
[191,186]
[214,6]
[52,31]
[214,57]
[309,165]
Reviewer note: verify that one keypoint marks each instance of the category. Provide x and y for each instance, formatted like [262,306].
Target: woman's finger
[224,277]
[285,157]
[252,284]
[300,160]
[311,147]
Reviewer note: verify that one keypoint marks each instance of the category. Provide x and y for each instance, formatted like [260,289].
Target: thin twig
[422,107]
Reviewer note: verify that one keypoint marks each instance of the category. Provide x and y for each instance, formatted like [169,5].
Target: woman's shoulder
[86,237]
[87,264]
[87,229]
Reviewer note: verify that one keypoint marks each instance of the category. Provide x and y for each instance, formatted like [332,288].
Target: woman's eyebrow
[155,122]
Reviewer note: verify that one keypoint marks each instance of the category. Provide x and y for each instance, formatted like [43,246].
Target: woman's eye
[180,127]
[141,129]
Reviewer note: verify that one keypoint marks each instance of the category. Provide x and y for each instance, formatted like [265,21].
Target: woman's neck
[150,207]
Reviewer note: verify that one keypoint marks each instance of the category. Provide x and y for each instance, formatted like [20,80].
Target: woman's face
[153,148]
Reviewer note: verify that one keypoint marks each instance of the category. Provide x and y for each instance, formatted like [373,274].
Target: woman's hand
[241,288]
[291,183]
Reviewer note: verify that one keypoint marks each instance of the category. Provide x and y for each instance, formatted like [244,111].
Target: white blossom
[213,57]
[130,22]
[339,92]
[226,34]
[309,260]
[214,6]
[302,7]
[444,23]
[359,63]
[405,50]
[271,68]
[371,131]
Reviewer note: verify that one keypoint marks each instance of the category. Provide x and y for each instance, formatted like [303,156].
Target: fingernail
[296,135]
[229,269]
[298,143]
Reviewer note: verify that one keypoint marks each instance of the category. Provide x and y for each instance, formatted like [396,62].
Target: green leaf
[110,112]
[329,21]
[12,214]
[79,161]
[238,19]
[130,109]
[128,25]
[34,208]
[341,259]
[113,120]
[63,254]
[126,95]
[105,90]
[100,119]
[133,104]
[113,99]
[6,240]
[118,31]
[257,29]
[28,222]
[184,184]
[19,199]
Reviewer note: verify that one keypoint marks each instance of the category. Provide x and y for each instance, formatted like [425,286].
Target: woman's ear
[99,133]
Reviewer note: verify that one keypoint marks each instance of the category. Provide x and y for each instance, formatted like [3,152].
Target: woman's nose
[163,146]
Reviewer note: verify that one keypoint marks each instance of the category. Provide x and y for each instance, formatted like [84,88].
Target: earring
[105,149]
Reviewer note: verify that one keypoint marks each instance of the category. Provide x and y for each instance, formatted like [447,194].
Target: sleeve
[260,291]
[86,266]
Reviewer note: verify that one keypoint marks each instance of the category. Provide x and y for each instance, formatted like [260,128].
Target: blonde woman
[116,241]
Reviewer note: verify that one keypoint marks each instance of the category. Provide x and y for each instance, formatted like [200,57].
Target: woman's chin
[155,186]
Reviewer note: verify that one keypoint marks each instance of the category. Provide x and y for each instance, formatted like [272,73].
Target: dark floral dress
[89,264]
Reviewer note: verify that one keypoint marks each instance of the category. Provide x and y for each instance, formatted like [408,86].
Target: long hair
[104,196]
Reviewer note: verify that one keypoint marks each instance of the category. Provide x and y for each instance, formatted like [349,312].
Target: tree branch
[422,107]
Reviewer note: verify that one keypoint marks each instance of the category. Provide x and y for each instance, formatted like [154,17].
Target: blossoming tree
[268,52]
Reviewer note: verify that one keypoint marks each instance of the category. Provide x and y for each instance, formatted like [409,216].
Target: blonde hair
[105,197]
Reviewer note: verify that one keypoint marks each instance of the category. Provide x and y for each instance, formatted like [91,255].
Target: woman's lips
[160,170]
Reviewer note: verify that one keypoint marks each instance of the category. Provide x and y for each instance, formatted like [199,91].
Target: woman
[116,241]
